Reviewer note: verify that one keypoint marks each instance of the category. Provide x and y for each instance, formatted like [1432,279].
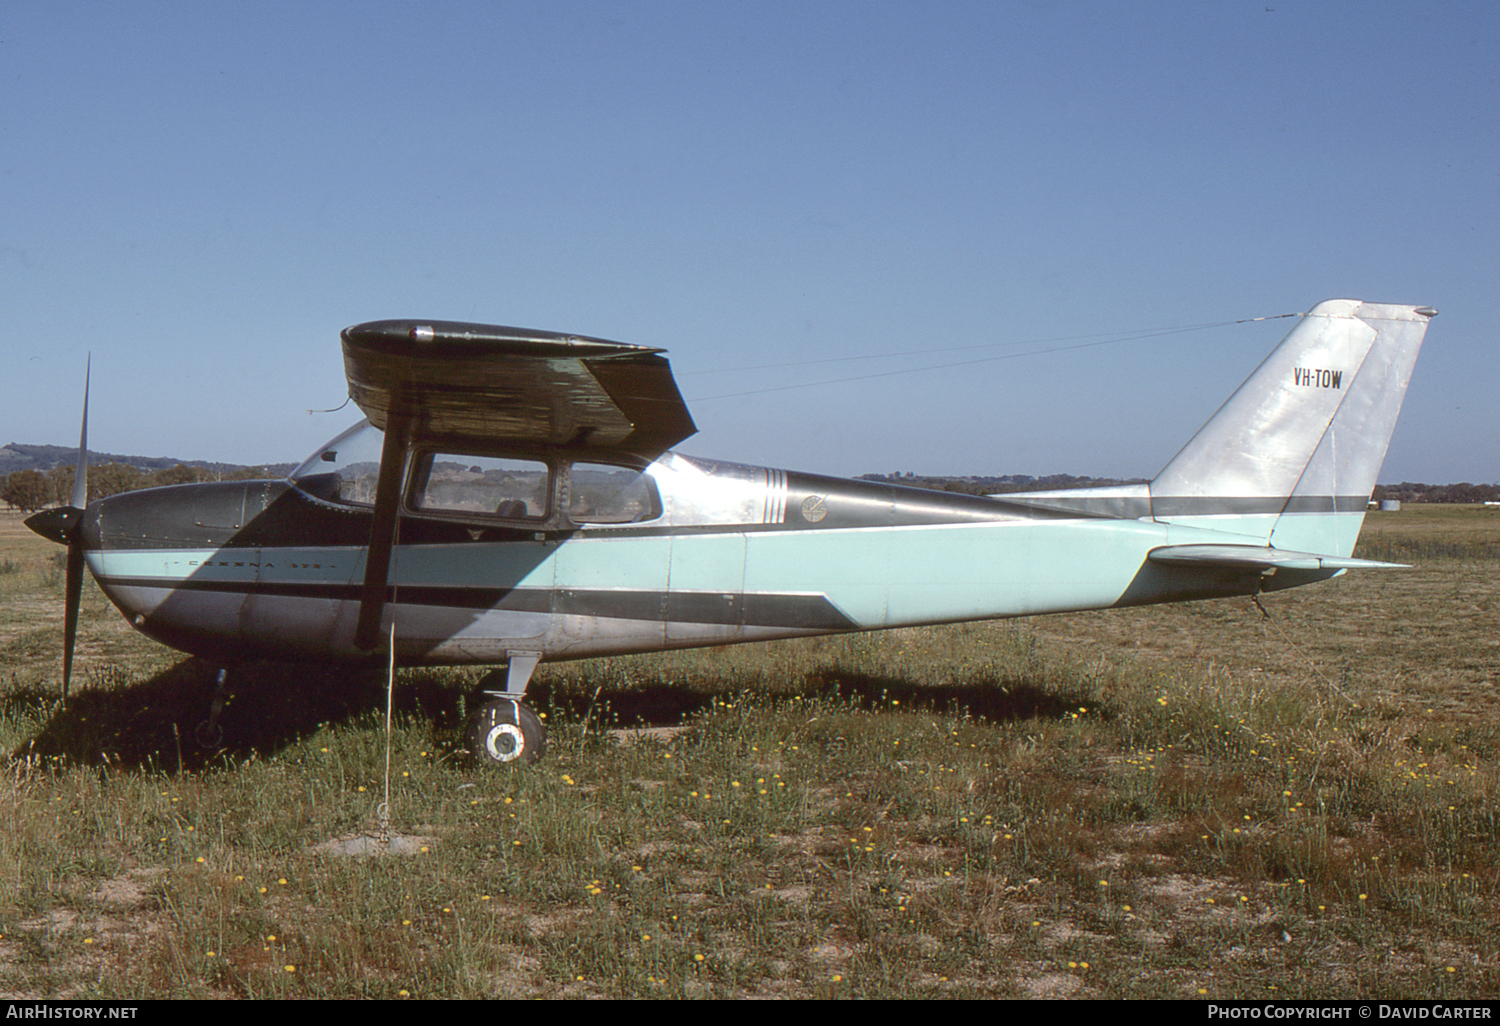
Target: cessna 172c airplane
[513,498]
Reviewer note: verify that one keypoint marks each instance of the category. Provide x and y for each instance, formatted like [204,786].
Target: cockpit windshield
[347,468]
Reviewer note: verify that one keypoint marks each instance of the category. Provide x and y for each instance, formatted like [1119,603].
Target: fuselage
[512,497]
[707,554]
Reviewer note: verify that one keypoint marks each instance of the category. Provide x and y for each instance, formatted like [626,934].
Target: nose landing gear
[505,729]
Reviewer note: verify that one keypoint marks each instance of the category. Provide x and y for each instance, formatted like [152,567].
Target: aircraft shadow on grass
[151,726]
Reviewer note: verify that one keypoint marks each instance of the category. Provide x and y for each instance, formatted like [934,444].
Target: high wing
[479,382]
[423,381]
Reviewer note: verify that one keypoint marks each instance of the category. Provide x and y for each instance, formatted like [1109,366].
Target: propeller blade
[71,602]
[81,474]
[64,525]
[61,523]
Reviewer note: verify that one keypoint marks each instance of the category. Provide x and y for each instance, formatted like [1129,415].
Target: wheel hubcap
[505,742]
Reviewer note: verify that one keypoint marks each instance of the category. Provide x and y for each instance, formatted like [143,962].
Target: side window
[356,483]
[497,486]
[601,493]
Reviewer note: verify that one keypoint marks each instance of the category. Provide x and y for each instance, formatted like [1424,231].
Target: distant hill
[17,456]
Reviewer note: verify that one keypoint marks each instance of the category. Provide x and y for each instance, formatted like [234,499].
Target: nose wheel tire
[505,731]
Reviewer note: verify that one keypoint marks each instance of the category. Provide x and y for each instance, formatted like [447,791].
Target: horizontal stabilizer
[1258,557]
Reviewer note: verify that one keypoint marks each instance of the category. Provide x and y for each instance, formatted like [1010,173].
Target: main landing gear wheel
[505,731]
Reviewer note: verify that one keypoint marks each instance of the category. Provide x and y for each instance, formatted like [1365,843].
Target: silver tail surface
[1291,458]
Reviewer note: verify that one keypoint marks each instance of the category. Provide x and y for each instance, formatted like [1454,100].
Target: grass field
[1168,802]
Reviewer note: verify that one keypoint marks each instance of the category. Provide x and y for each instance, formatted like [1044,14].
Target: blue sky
[203,194]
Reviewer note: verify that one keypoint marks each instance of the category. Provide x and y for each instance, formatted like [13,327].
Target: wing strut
[383,530]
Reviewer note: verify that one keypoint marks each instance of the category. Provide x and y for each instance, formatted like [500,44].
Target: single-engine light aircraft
[512,497]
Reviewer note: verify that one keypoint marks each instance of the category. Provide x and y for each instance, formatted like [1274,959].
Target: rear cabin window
[601,493]
[493,486]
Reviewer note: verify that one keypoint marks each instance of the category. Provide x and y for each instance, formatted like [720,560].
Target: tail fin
[1290,460]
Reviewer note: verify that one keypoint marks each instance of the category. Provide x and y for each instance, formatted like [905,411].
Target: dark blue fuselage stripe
[809,612]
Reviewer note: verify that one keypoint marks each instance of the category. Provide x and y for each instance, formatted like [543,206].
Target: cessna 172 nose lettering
[512,497]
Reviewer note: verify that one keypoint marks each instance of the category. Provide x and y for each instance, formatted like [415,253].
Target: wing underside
[496,386]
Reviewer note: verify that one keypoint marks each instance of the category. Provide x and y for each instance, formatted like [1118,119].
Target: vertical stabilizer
[1290,460]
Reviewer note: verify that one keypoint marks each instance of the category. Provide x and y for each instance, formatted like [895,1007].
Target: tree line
[1409,491]
[31,490]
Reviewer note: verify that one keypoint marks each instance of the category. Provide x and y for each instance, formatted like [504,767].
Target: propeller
[64,524]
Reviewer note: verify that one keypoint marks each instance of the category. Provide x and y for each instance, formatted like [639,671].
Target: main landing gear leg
[504,729]
[209,734]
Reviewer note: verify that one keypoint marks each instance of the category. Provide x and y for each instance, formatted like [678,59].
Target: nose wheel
[505,731]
